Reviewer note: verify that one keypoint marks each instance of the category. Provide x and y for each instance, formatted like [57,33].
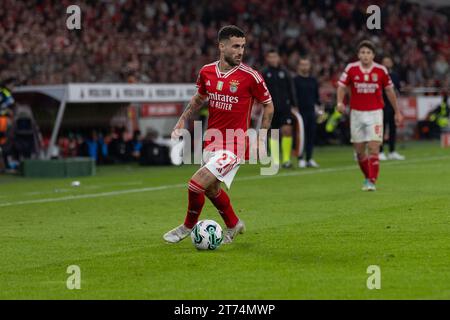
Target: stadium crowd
[168,40]
[113,146]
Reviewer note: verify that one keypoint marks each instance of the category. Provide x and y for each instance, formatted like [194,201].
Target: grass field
[311,234]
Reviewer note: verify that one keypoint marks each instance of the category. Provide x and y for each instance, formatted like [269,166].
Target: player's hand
[340,107]
[177,130]
[398,118]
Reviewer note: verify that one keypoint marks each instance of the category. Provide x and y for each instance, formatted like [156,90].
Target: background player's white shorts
[366,126]
[223,164]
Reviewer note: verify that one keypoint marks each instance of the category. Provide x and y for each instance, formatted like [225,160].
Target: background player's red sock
[196,195]
[222,202]
[374,164]
[364,165]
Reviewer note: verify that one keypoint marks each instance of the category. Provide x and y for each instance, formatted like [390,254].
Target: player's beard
[231,61]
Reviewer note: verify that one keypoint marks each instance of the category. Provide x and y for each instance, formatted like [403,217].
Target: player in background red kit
[366,81]
[231,88]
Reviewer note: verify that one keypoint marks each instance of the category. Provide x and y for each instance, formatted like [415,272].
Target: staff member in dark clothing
[439,117]
[307,89]
[388,115]
[6,105]
[280,86]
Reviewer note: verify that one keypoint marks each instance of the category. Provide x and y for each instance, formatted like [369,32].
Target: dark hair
[7,82]
[227,32]
[304,58]
[271,51]
[366,44]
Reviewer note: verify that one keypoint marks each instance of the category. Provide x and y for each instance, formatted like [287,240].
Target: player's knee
[374,148]
[212,191]
[360,152]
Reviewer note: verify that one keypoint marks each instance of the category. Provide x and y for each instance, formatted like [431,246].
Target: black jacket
[307,89]
[281,89]
[396,81]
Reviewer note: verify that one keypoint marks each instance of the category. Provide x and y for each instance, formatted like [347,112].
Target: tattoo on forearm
[267,119]
[193,106]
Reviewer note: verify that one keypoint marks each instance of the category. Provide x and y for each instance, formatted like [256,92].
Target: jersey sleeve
[344,79]
[259,90]
[201,86]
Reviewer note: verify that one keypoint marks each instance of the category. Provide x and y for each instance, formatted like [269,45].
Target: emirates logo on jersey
[222,101]
[234,86]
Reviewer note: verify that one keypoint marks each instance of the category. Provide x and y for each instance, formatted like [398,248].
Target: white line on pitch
[94,186]
[182,185]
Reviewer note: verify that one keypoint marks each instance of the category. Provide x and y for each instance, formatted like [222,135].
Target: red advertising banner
[408,107]
[161,110]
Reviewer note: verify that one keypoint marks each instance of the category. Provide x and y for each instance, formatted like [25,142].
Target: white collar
[226,74]
[365,70]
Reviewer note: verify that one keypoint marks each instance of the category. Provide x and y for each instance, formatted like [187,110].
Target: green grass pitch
[311,234]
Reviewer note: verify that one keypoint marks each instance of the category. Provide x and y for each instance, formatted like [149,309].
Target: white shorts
[223,164]
[366,126]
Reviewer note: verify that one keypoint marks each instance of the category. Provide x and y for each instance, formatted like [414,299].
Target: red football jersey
[231,96]
[366,85]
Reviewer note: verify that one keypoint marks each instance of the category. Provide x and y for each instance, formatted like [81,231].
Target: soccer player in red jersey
[366,81]
[231,88]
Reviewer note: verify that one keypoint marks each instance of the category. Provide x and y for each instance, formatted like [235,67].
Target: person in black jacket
[307,89]
[388,115]
[281,89]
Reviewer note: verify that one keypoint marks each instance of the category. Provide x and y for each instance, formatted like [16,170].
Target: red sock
[222,202]
[374,165]
[196,201]
[364,165]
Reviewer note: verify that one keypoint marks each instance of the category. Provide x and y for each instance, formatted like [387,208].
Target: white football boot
[395,156]
[382,156]
[371,186]
[312,164]
[177,234]
[365,186]
[301,163]
[232,233]
[368,186]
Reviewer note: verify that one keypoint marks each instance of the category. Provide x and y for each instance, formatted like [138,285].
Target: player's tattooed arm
[267,115]
[192,108]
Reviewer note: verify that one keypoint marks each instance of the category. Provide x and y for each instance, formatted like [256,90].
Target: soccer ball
[207,235]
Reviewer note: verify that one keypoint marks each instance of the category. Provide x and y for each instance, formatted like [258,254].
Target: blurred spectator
[25,137]
[136,145]
[6,104]
[153,153]
[439,117]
